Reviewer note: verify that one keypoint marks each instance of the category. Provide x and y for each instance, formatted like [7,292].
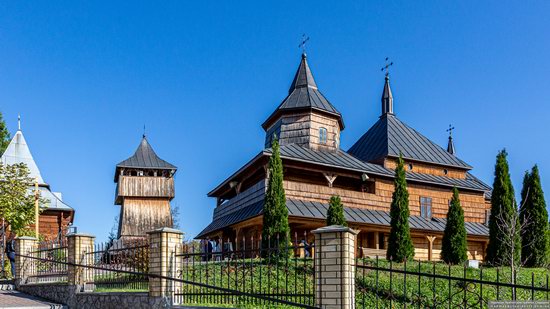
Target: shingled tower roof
[304,95]
[390,137]
[145,158]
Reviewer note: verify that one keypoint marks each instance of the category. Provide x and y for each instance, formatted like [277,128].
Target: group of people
[212,249]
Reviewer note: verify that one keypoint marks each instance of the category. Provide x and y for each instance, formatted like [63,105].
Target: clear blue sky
[203,75]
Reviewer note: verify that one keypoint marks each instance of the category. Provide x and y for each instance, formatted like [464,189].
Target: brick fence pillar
[77,247]
[334,267]
[164,243]
[24,266]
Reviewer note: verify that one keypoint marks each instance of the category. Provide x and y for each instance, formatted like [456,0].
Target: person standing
[10,252]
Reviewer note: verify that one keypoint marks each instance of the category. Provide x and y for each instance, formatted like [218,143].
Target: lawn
[292,280]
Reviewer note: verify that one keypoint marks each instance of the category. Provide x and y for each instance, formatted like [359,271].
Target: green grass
[394,291]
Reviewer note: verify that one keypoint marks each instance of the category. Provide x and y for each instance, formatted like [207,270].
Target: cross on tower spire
[19,122]
[387,66]
[303,43]
[450,130]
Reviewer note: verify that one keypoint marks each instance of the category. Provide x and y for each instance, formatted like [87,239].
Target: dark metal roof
[389,136]
[303,94]
[145,157]
[233,218]
[316,210]
[341,159]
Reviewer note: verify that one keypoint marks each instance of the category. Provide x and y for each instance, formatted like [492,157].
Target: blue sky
[203,75]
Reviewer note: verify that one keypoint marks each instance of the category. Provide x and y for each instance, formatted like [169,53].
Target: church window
[445,171]
[410,167]
[487,216]
[322,135]
[426,207]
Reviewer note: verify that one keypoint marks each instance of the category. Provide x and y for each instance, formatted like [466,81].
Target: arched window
[322,135]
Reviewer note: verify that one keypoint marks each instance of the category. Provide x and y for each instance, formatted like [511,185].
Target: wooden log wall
[144,186]
[140,215]
[52,222]
[424,168]
[473,203]
[303,129]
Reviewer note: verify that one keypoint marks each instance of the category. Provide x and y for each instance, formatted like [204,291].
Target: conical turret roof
[304,95]
[18,152]
[146,158]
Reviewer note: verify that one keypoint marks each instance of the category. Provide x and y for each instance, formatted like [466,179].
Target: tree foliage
[4,135]
[504,243]
[454,247]
[16,199]
[534,219]
[276,231]
[335,213]
[400,246]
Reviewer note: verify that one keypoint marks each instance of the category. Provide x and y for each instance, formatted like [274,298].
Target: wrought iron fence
[48,263]
[221,272]
[385,284]
[118,266]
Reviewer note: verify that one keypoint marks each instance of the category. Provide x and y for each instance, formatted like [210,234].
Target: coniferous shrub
[400,246]
[534,221]
[454,246]
[335,213]
[504,241]
[275,230]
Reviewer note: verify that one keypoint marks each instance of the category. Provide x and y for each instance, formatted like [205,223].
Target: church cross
[19,122]
[387,66]
[303,43]
[450,130]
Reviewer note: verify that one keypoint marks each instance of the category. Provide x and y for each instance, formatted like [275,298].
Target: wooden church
[315,168]
[145,187]
[56,215]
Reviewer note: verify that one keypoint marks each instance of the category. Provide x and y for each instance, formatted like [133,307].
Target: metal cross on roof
[19,122]
[387,66]
[450,130]
[303,43]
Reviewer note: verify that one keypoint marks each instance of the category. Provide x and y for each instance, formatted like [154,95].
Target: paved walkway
[16,299]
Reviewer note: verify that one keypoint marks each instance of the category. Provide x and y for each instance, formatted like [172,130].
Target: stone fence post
[77,247]
[335,267]
[23,266]
[164,243]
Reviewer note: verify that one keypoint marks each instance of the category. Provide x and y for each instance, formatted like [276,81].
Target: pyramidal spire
[18,152]
[387,98]
[450,144]
[303,77]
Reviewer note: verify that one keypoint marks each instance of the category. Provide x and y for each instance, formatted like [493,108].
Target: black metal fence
[385,284]
[245,273]
[48,262]
[118,266]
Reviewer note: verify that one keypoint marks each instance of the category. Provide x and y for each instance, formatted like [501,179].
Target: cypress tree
[534,221]
[454,247]
[4,135]
[335,213]
[400,246]
[504,246]
[275,232]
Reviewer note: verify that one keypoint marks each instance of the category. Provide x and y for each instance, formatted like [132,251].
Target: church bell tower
[145,187]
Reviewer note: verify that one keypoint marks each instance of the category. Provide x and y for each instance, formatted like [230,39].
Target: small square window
[426,207]
[322,135]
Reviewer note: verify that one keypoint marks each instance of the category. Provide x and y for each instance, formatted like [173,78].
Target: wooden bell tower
[145,187]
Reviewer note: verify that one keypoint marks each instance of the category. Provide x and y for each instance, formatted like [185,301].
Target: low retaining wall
[68,295]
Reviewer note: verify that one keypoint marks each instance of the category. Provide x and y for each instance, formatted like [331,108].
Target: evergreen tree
[534,221]
[400,246]
[335,213]
[454,247]
[276,231]
[504,240]
[4,135]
